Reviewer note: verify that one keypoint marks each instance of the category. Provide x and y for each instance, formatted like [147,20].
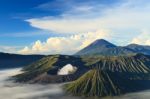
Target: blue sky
[47,26]
[15,31]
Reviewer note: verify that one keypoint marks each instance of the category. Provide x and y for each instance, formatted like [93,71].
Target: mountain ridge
[105,48]
[139,48]
[9,60]
[50,65]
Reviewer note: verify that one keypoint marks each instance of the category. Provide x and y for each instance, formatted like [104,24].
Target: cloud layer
[49,91]
[28,91]
[65,45]
[132,14]
[143,38]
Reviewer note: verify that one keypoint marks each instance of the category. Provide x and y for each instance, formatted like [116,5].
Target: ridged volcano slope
[93,83]
[99,83]
[137,63]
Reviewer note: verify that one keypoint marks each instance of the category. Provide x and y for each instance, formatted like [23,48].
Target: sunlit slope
[93,83]
[100,83]
[134,63]
[46,64]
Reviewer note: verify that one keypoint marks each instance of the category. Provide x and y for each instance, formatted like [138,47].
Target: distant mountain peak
[145,49]
[105,48]
[97,46]
[133,44]
[102,42]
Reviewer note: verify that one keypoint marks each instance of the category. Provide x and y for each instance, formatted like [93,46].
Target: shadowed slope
[139,48]
[8,60]
[105,48]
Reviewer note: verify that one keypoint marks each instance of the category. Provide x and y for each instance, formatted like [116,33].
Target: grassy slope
[113,76]
[93,83]
[46,64]
[36,68]
[99,83]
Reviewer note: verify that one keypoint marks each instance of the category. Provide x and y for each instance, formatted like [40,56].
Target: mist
[11,90]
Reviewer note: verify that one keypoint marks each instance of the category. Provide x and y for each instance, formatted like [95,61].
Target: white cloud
[143,38]
[10,49]
[130,14]
[25,34]
[65,25]
[64,45]
[12,90]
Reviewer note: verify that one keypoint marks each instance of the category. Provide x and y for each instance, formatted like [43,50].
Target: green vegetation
[93,83]
[100,83]
[46,64]
[112,76]
[33,70]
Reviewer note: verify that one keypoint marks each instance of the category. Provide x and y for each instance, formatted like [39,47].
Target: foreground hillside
[15,60]
[99,83]
[47,68]
[113,76]
[94,75]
